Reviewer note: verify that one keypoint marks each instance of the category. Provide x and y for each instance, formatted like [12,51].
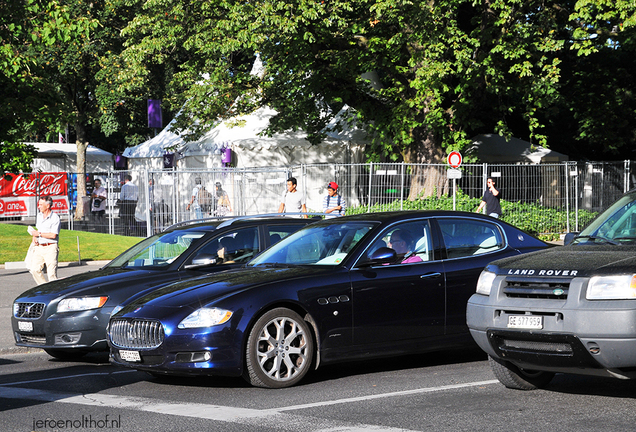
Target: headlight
[484,283]
[73,304]
[205,317]
[611,287]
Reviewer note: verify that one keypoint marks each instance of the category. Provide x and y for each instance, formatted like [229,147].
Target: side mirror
[202,260]
[569,237]
[383,255]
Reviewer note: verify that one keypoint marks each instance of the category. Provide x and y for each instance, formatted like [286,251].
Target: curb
[21,265]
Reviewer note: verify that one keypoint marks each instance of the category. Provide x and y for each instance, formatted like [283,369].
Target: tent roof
[495,148]
[59,150]
[240,131]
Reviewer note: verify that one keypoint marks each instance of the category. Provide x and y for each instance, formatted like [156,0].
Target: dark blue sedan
[68,317]
[355,287]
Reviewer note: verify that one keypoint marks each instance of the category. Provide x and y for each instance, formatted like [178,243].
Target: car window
[232,246]
[327,244]
[617,223]
[467,237]
[411,241]
[278,232]
[157,251]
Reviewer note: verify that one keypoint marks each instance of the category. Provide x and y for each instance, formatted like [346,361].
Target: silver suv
[568,309]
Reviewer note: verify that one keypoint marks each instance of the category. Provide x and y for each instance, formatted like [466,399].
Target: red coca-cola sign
[13,185]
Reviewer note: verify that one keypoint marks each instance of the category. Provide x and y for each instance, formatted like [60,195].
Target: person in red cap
[333,203]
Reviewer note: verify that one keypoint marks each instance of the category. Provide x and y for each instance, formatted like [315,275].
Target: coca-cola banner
[23,185]
[18,193]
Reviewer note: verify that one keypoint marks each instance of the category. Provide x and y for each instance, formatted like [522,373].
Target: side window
[411,241]
[278,232]
[233,247]
[464,237]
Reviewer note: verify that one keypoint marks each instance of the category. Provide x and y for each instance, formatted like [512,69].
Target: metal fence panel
[582,189]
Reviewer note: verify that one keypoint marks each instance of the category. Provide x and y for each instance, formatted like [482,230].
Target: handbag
[97,202]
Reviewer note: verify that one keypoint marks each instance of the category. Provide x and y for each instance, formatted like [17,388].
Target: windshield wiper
[625,238]
[594,238]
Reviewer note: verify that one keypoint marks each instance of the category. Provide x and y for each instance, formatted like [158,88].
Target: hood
[200,291]
[571,261]
[106,281]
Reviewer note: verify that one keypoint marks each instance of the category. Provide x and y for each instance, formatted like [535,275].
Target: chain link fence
[542,199]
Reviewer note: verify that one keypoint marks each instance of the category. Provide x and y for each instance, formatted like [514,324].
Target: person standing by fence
[333,203]
[292,200]
[45,242]
[222,206]
[491,198]
[194,201]
[128,202]
[98,206]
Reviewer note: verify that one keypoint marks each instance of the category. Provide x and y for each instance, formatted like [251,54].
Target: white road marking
[276,417]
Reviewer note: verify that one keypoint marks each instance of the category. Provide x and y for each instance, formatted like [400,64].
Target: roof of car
[214,223]
[399,215]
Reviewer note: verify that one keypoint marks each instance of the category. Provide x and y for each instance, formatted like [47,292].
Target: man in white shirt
[292,200]
[194,201]
[98,205]
[45,241]
[128,197]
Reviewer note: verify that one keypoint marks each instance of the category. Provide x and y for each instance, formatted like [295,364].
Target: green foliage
[536,219]
[16,157]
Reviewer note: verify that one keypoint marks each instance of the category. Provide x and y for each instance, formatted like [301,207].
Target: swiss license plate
[130,356]
[525,321]
[25,326]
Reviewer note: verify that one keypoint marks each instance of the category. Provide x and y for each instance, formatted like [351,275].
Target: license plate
[130,356]
[525,321]
[25,326]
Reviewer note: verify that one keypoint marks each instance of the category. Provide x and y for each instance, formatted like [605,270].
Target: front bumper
[577,335]
[85,330]
[208,351]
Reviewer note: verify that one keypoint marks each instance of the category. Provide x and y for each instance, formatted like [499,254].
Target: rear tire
[280,350]
[514,377]
[63,354]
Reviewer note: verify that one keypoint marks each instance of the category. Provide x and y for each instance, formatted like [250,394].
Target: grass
[14,242]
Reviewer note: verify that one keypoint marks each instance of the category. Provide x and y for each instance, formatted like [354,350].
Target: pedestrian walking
[45,237]
[491,198]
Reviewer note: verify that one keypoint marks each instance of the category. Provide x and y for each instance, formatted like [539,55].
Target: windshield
[158,251]
[617,224]
[324,244]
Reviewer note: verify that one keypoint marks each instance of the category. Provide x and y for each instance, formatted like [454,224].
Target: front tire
[514,377]
[280,350]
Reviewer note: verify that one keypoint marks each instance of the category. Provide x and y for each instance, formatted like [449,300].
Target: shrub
[533,218]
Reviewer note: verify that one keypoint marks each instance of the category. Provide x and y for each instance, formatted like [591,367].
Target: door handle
[430,275]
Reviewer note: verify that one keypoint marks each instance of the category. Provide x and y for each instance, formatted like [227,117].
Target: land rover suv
[568,309]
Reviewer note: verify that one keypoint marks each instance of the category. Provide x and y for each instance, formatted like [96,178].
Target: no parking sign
[454,159]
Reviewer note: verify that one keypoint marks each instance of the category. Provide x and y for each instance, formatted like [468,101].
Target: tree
[68,42]
[448,69]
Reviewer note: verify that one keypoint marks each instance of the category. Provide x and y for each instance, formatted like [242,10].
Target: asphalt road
[14,282]
[443,392]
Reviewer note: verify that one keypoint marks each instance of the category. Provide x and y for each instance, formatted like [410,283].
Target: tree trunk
[426,180]
[81,144]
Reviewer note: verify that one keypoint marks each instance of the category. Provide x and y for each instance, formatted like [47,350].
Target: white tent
[493,148]
[54,157]
[241,134]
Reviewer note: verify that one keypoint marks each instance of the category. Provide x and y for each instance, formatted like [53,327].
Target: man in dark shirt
[491,199]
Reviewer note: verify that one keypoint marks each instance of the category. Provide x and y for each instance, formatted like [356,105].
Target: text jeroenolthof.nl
[84,422]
